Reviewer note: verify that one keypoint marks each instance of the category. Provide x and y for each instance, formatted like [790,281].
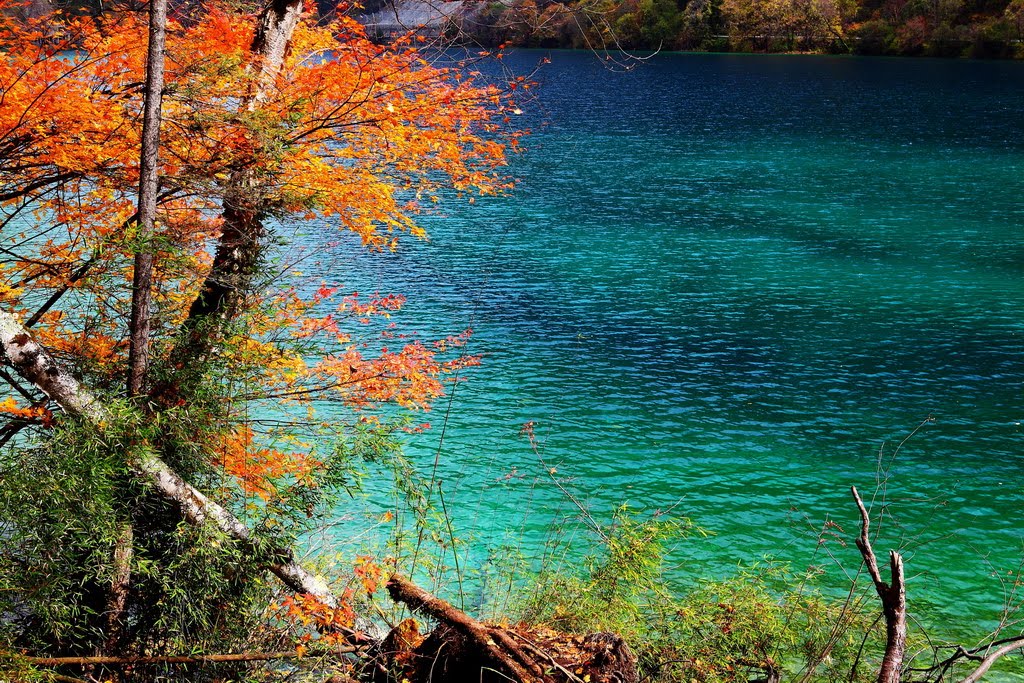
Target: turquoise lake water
[728,283]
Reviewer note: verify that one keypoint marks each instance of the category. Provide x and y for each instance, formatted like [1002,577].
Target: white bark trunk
[36,365]
[273,37]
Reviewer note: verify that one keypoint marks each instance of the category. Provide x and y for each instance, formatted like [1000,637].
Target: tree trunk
[119,585]
[239,248]
[142,283]
[270,44]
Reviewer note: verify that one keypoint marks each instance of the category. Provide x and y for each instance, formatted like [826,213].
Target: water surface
[732,283]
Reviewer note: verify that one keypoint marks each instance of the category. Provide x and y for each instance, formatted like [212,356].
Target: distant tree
[1015,15]
[761,25]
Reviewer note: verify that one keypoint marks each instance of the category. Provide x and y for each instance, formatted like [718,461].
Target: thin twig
[182,659]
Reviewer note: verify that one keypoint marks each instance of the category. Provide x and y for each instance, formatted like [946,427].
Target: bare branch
[894,598]
[16,385]
[864,545]
[1008,645]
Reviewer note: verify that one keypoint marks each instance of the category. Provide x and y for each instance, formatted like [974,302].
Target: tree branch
[79,273]
[986,663]
[25,393]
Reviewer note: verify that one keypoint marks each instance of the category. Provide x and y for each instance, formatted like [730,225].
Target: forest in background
[933,28]
[988,29]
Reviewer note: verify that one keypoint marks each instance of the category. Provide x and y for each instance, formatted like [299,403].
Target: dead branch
[474,650]
[981,653]
[1009,646]
[494,641]
[893,597]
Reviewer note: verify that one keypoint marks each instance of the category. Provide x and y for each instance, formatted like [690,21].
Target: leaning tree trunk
[35,364]
[239,248]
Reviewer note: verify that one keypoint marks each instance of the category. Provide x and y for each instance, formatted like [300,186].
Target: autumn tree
[767,25]
[266,118]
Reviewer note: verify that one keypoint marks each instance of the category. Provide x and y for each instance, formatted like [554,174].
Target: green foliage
[60,524]
[191,588]
[62,519]
[618,584]
[764,617]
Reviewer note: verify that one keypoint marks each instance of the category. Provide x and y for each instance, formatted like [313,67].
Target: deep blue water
[730,283]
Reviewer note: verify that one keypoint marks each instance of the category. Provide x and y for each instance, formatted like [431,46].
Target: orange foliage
[307,611]
[259,469]
[369,573]
[354,133]
[363,138]
[10,408]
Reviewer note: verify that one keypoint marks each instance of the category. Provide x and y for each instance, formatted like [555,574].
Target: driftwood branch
[893,597]
[986,655]
[460,648]
[495,642]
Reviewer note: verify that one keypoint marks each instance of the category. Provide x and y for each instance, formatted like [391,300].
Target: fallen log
[463,648]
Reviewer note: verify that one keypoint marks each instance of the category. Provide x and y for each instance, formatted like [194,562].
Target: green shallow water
[728,283]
